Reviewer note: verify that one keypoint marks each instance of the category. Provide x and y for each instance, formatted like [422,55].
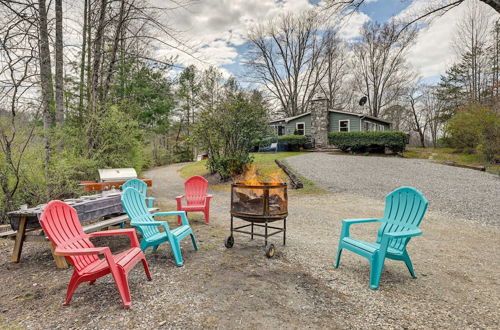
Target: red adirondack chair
[196,197]
[60,223]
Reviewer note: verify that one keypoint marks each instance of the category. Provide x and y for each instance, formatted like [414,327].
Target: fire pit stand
[259,205]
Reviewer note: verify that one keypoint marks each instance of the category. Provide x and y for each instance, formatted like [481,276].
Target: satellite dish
[363,100]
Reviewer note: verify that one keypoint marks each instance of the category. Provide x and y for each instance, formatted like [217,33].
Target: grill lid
[116,174]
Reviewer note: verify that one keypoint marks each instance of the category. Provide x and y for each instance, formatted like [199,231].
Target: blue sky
[383,10]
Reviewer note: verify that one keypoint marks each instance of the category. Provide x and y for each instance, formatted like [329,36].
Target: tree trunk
[59,80]
[98,41]
[422,138]
[89,54]
[114,50]
[122,60]
[82,64]
[46,86]
[496,63]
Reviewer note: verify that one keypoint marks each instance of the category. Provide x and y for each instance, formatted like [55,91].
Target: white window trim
[297,126]
[275,128]
[348,124]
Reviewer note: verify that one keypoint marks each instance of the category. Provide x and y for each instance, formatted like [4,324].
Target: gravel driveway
[458,192]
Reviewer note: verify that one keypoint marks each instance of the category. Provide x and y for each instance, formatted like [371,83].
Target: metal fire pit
[259,205]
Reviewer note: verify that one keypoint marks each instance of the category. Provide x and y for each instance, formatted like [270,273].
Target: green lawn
[195,168]
[447,154]
[264,162]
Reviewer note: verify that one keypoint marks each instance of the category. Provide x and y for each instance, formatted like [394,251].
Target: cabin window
[301,128]
[274,128]
[278,129]
[371,127]
[344,126]
[281,130]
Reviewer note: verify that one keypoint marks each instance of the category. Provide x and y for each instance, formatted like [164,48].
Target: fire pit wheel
[229,242]
[270,251]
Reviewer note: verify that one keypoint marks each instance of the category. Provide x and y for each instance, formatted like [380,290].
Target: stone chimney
[319,122]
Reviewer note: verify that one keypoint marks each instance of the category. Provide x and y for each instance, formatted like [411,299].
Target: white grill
[116,174]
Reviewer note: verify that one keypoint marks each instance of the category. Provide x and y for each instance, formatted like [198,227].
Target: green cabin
[322,119]
[339,121]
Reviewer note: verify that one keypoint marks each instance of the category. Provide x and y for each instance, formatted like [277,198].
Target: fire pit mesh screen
[266,200]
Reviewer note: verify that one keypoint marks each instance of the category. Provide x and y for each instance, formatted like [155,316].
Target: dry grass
[441,155]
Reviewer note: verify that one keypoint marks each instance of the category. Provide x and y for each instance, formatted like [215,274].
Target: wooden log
[452,163]
[294,180]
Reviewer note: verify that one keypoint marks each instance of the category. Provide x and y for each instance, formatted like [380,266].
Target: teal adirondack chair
[134,204]
[404,209]
[141,187]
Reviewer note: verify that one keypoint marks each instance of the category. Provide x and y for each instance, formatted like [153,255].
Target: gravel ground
[456,262]
[458,192]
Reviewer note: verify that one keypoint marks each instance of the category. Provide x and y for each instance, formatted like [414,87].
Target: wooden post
[21,234]
[60,260]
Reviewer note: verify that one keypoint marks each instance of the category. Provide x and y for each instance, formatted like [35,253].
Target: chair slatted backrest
[137,184]
[61,224]
[196,190]
[134,204]
[404,210]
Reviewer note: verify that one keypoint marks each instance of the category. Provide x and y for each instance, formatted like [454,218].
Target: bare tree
[471,41]
[18,75]
[433,107]
[418,121]
[398,116]
[86,15]
[122,17]
[379,64]
[189,95]
[424,112]
[286,58]
[495,62]
[333,83]
[97,57]
[59,74]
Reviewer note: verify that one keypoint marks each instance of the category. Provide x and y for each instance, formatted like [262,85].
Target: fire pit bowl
[259,204]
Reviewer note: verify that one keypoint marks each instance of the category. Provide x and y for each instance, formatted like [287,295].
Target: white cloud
[351,27]
[215,28]
[433,51]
